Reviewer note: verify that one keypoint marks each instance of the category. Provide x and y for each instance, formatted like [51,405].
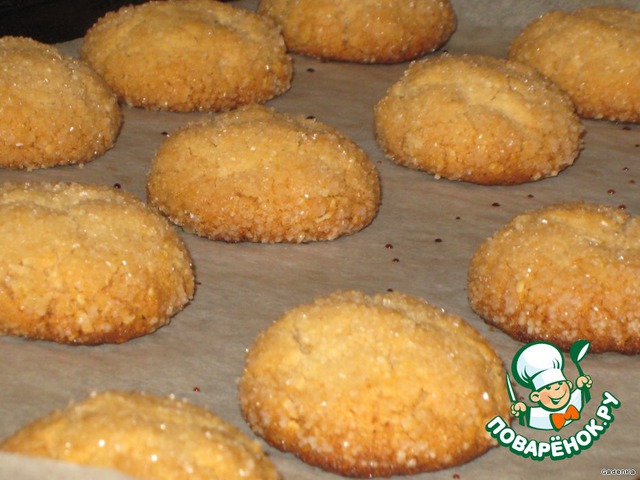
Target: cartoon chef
[539,367]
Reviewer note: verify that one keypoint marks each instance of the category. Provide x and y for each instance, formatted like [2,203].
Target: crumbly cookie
[54,109]
[188,55]
[366,31]
[145,436]
[369,386]
[562,273]
[258,175]
[87,264]
[593,54]
[478,119]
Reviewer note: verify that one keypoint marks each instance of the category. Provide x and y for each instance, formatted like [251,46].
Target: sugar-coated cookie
[478,119]
[369,386]
[258,175]
[146,436]
[366,31]
[593,53]
[87,264]
[189,55]
[562,273]
[54,109]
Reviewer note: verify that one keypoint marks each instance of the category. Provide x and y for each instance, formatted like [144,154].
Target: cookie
[258,175]
[478,119]
[366,31]
[54,109]
[145,436]
[87,264]
[593,53]
[189,55]
[562,273]
[368,386]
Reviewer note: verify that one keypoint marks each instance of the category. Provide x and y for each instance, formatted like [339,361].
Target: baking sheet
[420,243]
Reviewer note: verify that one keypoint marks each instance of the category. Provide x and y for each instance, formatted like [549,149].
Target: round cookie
[562,273]
[369,386]
[87,264]
[258,175]
[54,109]
[366,31]
[593,54]
[478,119]
[144,436]
[189,55]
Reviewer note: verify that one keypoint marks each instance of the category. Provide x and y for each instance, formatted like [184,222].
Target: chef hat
[537,365]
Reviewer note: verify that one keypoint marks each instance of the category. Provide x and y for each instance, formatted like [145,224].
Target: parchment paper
[433,227]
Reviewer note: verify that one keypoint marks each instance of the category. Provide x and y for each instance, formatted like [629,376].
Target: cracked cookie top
[87,264]
[258,175]
[478,119]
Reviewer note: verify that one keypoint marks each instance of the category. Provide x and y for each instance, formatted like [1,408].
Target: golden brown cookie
[593,53]
[562,273]
[369,386]
[54,109]
[87,264]
[145,436]
[478,119]
[258,175]
[187,55]
[366,31]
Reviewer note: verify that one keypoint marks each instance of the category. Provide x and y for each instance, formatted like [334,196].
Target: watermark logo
[555,402]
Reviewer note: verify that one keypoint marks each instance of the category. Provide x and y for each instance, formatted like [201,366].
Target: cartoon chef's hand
[518,408]
[584,381]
